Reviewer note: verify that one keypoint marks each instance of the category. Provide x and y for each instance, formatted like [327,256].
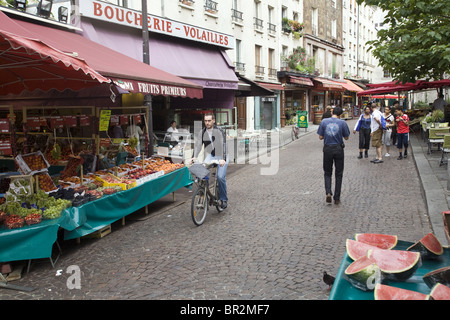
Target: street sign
[302,119]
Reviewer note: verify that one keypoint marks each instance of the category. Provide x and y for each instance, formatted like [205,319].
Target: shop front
[325,93]
[61,166]
[189,52]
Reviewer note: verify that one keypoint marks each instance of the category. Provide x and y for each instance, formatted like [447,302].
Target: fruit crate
[45,182]
[105,179]
[32,163]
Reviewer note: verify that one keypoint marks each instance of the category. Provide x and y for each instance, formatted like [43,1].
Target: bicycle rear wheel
[199,206]
[216,193]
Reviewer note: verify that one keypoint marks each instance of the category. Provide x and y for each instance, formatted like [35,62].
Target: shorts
[376,138]
[387,138]
[402,140]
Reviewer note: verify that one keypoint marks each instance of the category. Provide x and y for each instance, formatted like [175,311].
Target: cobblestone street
[273,241]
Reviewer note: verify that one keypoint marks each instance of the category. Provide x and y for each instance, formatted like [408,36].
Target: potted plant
[437,116]
[285,25]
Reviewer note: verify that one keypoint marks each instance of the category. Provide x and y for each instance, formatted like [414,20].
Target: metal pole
[146,59]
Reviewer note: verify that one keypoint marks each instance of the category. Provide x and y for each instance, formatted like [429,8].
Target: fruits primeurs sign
[124,16]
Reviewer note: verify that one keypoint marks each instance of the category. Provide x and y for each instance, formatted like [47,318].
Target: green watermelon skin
[441,275]
[429,247]
[440,292]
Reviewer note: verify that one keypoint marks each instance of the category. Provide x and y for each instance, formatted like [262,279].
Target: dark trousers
[333,154]
[364,138]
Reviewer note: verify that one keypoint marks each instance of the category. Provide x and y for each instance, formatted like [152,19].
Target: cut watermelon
[356,249]
[440,292]
[363,273]
[382,241]
[384,292]
[441,275]
[395,264]
[429,247]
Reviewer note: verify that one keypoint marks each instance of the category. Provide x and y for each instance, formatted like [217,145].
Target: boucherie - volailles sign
[124,16]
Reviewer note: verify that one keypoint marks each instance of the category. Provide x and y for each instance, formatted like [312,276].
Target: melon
[441,275]
[356,250]
[440,292]
[382,241]
[395,264]
[385,292]
[429,247]
[363,273]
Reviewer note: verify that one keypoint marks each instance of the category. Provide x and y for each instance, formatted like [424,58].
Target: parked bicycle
[207,192]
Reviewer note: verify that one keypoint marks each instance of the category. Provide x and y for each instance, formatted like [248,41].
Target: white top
[374,125]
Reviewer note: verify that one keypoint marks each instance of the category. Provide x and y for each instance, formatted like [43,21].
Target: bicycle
[207,193]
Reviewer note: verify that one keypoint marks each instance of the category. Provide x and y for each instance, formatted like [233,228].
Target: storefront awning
[350,86]
[301,80]
[107,62]
[249,88]
[28,64]
[328,85]
[271,86]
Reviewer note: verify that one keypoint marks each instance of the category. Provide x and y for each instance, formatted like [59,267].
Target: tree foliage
[416,43]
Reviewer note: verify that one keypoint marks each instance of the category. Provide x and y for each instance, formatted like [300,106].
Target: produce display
[376,263]
[22,206]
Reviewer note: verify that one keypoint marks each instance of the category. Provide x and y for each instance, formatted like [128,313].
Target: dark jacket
[217,148]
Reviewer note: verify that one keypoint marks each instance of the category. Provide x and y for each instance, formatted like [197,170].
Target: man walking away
[363,127]
[387,134]
[333,131]
[376,132]
[402,132]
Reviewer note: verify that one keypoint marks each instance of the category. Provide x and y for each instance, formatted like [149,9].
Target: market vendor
[134,131]
[173,132]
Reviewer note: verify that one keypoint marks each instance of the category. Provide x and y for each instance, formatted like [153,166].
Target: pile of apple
[34,162]
[45,182]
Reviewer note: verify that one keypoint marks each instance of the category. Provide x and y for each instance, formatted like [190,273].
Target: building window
[284,12]
[211,6]
[333,29]
[259,69]
[272,69]
[238,51]
[386,74]
[315,21]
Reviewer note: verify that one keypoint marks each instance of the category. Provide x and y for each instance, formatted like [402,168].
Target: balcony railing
[259,71]
[258,23]
[272,72]
[236,15]
[239,66]
[211,6]
[272,28]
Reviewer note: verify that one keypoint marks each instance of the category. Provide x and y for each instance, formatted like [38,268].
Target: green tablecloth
[36,241]
[343,290]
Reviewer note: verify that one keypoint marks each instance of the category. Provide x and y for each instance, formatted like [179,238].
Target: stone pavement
[273,241]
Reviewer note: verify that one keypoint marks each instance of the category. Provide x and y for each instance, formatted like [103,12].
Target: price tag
[105,116]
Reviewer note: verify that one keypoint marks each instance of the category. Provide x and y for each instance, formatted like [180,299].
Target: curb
[435,196]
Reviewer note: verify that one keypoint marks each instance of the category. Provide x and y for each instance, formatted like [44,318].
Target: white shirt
[173,136]
[374,125]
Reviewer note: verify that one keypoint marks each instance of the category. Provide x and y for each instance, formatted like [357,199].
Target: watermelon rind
[363,274]
[441,275]
[385,257]
[440,292]
[356,249]
[429,247]
[382,241]
[385,292]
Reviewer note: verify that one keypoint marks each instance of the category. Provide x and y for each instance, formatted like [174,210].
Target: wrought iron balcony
[236,15]
[258,23]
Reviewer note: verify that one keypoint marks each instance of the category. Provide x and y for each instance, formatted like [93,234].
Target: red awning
[105,61]
[350,86]
[329,85]
[390,87]
[29,64]
[301,80]
[271,86]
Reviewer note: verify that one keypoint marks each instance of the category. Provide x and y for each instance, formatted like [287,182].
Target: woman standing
[363,127]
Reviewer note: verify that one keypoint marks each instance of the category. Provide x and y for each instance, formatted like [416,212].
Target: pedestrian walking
[390,123]
[394,128]
[363,127]
[333,131]
[402,132]
[376,133]
[327,113]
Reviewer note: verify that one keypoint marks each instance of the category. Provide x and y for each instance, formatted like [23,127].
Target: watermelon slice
[382,241]
[440,292]
[356,249]
[429,247]
[363,273]
[384,292]
[395,264]
[441,275]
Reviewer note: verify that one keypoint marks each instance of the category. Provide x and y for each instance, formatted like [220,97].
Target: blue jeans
[221,176]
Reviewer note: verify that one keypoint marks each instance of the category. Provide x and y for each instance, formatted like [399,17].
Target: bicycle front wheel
[199,206]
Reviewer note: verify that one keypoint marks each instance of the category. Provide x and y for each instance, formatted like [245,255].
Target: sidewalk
[434,182]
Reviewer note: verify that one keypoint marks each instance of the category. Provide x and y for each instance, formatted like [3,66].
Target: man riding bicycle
[214,140]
